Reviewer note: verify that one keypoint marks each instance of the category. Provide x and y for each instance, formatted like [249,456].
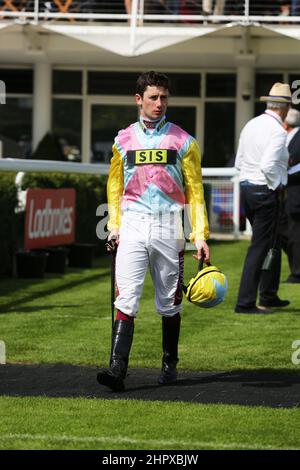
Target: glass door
[106,121]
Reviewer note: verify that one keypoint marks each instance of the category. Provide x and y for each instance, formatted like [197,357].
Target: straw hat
[279,93]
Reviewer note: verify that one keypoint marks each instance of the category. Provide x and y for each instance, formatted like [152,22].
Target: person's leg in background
[270,279]
[219,7]
[128,5]
[269,285]
[292,211]
[294,247]
[259,203]
[207,7]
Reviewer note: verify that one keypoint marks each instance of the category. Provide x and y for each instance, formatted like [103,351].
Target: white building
[70,67]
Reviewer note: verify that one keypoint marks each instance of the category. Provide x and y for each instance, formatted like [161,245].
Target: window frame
[178,101]
[14,95]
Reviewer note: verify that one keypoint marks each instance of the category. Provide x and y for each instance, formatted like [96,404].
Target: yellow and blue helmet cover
[208,288]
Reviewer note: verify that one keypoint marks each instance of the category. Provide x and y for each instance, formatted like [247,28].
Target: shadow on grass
[288,310]
[278,388]
[39,308]
[11,306]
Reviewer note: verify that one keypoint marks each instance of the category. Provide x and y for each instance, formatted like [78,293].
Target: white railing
[224,201]
[223,185]
[38,166]
[140,12]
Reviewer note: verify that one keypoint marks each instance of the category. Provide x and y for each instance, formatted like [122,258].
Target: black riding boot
[170,337]
[121,345]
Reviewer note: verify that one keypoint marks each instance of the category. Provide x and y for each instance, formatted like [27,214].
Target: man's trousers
[260,204]
[290,237]
[155,241]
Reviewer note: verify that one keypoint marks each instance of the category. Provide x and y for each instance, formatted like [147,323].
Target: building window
[219,122]
[66,125]
[67,82]
[16,127]
[16,114]
[184,117]
[185,84]
[265,81]
[219,134]
[259,108]
[221,85]
[106,120]
[17,80]
[113,83]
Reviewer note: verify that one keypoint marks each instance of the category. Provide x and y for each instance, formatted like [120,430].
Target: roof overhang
[4,25]
[290,31]
[125,41]
[130,43]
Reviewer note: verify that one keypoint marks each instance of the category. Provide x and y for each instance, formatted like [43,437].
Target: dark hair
[151,78]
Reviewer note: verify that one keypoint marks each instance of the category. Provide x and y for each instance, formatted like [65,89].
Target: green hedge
[8,223]
[90,192]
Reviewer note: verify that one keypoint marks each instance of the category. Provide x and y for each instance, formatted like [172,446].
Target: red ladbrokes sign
[50,217]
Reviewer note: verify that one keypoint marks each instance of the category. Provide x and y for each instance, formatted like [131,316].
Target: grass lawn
[66,319]
[60,423]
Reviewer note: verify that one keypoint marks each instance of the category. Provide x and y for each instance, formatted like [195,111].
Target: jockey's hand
[202,250]
[113,240]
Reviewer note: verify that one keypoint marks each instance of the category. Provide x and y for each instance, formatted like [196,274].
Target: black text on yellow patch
[146,157]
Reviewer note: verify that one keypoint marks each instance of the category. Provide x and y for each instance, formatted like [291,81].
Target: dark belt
[247,183]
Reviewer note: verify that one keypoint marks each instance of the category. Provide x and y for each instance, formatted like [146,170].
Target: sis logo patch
[147,157]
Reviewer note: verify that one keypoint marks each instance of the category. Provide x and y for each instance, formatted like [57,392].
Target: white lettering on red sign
[50,217]
[49,222]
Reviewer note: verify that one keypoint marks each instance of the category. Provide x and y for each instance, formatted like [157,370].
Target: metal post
[36,11]
[141,12]
[236,206]
[246,11]
[2,352]
[133,25]
[41,101]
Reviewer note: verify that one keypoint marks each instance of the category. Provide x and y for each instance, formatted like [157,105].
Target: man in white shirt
[262,159]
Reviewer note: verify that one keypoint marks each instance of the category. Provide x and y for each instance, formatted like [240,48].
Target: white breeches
[154,240]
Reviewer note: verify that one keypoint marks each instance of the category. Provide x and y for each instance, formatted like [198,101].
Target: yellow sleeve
[194,195]
[115,188]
